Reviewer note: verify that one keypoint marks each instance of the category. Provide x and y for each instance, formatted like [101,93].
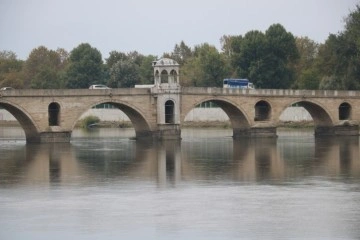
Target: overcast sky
[155,26]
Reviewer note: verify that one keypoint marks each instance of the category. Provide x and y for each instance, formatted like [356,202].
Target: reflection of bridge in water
[172,162]
[158,112]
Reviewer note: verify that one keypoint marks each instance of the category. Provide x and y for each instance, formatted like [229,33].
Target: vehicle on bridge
[99,86]
[6,88]
[237,83]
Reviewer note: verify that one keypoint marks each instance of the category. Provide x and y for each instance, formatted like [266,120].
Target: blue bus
[237,83]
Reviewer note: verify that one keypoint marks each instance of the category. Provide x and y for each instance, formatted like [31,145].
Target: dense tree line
[270,59]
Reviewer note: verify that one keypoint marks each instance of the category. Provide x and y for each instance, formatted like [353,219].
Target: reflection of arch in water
[337,156]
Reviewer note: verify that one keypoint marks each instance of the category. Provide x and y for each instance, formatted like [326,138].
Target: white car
[6,88]
[99,86]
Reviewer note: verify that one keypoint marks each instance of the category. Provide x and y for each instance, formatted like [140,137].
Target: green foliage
[124,73]
[330,83]
[85,67]
[339,58]
[267,59]
[44,68]
[207,67]
[10,70]
[88,121]
[307,75]
[126,70]
[182,53]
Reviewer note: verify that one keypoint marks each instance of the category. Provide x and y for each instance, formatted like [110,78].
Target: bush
[89,120]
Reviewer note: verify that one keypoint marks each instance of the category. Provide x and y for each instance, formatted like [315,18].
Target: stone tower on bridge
[166,92]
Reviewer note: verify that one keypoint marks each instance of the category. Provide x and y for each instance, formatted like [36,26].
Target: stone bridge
[158,112]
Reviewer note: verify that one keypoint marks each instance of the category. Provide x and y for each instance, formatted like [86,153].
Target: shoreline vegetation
[187,124]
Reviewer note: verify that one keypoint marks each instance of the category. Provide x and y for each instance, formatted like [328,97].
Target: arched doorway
[169,112]
[54,112]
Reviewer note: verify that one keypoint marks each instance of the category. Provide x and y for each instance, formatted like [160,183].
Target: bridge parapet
[269,92]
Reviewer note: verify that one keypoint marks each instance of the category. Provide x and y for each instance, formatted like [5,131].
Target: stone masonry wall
[291,114]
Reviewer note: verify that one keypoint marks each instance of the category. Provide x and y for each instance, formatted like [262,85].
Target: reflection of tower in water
[169,162]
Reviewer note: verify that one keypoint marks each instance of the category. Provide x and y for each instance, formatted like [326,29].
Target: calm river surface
[103,185]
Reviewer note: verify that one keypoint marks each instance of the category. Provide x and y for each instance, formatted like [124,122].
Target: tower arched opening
[164,76]
[169,112]
[173,78]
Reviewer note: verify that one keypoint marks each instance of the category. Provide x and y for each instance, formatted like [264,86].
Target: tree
[181,53]
[207,67]
[10,70]
[267,59]
[146,71]
[85,67]
[124,73]
[281,57]
[43,68]
[339,58]
[307,76]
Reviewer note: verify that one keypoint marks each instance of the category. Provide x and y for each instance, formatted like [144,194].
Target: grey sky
[155,26]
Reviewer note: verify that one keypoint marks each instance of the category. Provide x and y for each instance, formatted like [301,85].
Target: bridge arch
[319,114]
[139,122]
[25,120]
[238,119]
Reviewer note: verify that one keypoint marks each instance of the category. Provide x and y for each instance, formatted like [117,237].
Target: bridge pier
[264,132]
[339,130]
[50,137]
[164,132]
[169,132]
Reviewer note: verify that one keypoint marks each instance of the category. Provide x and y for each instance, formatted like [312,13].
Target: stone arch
[54,114]
[138,120]
[173,78]
[345,111]
[25,120]
[169,112]
[164,77]
[318,113]
[238,119]
[262,111]
[157,77]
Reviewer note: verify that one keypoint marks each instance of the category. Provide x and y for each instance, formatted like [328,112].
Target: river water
[103,185]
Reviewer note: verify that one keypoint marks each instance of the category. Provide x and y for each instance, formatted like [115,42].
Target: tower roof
[165,62]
